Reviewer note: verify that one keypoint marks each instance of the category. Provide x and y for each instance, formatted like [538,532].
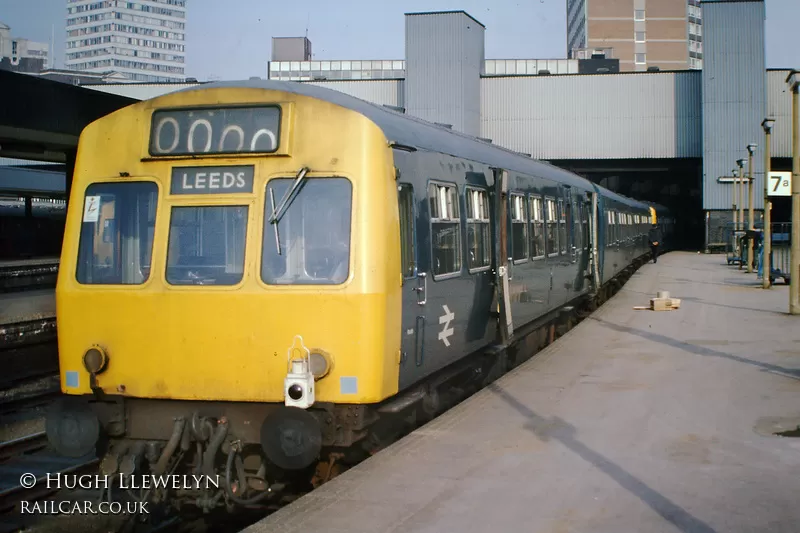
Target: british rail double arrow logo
[445,319]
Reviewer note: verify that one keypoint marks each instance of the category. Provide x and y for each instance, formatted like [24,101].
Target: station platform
[635,421]
[27,305]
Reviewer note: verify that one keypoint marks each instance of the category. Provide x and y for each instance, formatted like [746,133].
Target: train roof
[414,132]
[621,198]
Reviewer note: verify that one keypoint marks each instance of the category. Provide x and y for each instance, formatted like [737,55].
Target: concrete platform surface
[27,305]
[635,421]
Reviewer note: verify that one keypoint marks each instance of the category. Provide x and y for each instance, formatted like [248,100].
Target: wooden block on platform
[664,304]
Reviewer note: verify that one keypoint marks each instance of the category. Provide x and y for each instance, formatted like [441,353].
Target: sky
[231,39]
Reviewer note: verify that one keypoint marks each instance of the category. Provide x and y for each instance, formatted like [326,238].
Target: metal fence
[735,244]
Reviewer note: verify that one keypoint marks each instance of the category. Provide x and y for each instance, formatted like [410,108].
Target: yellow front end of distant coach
[177,283]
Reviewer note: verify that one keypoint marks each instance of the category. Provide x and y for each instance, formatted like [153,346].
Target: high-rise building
[22,55]
[640,33]
[141,39]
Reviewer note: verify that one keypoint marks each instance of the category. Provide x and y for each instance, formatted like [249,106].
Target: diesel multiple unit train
[259,280]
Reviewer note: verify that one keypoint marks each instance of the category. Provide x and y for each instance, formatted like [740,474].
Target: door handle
[422,288]
[510,268]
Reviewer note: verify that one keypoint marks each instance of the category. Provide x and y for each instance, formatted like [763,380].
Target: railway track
[28,351]
[28,275]
[28,332]
[31,455]
[43,392]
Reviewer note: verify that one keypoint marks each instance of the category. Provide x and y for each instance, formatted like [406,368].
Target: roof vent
[191,80]
[653,69]
[320,78]
[448,126]
[395,108]
[523,153]
[484,139]
[253,78]
[544,72]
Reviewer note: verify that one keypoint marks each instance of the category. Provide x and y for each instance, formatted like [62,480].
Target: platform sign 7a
[780,183]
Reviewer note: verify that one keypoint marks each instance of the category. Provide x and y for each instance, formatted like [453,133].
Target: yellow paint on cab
[230,343]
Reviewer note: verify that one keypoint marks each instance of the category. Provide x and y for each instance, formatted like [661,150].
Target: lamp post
[767,239]
[741,163]
[794,256]
[751,148]
[735,205]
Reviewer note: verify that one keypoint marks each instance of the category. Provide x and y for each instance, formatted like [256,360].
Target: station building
[669,136]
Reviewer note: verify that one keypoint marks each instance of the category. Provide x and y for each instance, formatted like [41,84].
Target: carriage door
[500,260]
[414,287]
[569,216]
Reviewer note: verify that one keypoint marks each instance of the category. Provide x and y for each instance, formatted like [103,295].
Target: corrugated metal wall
[734,95]
[652,115]
[779,107]
[444,58]
[382,92]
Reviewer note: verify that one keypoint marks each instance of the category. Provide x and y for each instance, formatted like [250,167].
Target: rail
[19,334]
[28,275]
[37,398]
[30,454]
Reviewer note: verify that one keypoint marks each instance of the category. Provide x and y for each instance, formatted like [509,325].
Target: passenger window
[479,240]
[116,241]
[408,258]
[445,229]
[585,226]
[206,245]
[624,226]
[613,227]
[537,227]
[310,244]
[562,227]
[519,228]
[552,230]
[577,232]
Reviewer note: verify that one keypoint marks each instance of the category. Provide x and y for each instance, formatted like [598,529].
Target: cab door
[415,284]
[500,261]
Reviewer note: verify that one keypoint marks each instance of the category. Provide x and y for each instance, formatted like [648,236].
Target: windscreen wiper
[272,203]
[284,205]
[276,215]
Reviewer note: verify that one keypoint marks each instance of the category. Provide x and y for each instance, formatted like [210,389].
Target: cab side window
[408,256]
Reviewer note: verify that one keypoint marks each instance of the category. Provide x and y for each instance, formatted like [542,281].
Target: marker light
[295,392]
[95,360]
[319,364]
